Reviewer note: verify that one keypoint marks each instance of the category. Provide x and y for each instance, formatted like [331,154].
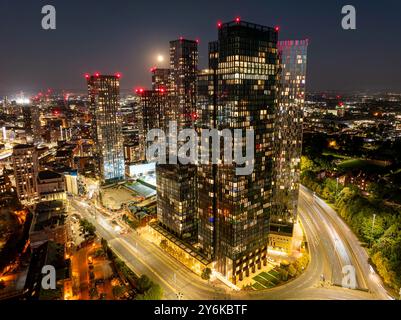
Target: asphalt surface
[331,244]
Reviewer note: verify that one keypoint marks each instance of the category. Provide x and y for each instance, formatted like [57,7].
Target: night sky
[127,36]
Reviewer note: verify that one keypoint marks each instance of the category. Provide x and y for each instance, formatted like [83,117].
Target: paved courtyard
[114,197]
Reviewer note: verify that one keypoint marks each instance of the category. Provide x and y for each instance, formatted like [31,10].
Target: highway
[346,246]
[331,244]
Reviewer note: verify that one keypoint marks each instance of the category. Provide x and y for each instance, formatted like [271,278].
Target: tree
[118,291]
[292,271]
[164,244]
[155,292]
[88,229]
[283,274]
[306,164]
[143,284]
[104,244]
[98,253]
[206,274]
[314,144]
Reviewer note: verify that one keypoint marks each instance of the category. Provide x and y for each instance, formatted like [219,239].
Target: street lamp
[373,225]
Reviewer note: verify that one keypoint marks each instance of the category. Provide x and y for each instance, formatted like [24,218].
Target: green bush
[206,273]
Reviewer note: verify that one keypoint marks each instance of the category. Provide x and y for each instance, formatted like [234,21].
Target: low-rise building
[51,186]
[49,223]
[48,253]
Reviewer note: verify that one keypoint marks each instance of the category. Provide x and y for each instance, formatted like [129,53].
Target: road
[332,245]
[144,257]
[80,272]
[345,245]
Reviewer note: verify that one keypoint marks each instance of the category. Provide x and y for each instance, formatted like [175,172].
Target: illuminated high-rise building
[176,183]
[153,106]
[184,69]
[207,173]
[26,168]
[234,209]
[132,131]
[160,78]
[31,116]
[288,141]
[104,92]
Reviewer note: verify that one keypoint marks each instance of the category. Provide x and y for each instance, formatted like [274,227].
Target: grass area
[265,283]
[364,165]
[353,164]
[258,286]
[274,273]
[336,155]
[270,277]
[266,280]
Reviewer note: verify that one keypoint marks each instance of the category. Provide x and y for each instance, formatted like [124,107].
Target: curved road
[331,244]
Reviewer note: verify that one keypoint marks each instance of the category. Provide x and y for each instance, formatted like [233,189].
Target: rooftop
[48,174]
[23,146]
[239,22]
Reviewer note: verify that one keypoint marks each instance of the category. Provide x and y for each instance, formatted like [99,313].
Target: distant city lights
[23,101]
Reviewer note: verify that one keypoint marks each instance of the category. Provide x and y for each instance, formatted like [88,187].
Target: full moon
[160,58]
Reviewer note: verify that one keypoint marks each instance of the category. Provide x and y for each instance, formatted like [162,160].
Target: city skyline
[222,175]
[340,59]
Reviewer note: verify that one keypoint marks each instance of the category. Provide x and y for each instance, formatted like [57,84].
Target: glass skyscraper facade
[153,106]
[176,183]
[104,95]
[288,141]
[253,82]
[234,210]
[160,78]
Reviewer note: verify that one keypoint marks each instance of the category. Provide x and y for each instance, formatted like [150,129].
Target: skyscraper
[207,173]
[234,216]
[153,106]
[176,183]
[26,168]
[31,115]
[184,69]
[160,78]
[288,141]
[104,91]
